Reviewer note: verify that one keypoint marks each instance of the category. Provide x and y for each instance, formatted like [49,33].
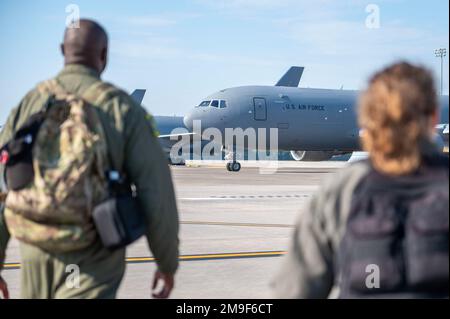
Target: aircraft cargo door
[260,112]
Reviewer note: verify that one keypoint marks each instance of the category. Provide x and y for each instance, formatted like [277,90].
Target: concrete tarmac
[235,227]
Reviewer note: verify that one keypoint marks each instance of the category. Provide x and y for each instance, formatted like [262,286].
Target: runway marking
[219,256]
[337,165]
[189,222]
[246,197]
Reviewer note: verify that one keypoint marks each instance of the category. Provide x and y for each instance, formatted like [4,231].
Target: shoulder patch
[151,121]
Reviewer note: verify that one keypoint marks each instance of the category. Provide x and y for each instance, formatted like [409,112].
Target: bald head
[86,45]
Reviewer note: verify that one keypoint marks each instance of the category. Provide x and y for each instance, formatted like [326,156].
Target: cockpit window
[223,104]
[220,104]
[204,103]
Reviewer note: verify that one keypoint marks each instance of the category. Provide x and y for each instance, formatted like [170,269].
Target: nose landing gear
[230,154]
[233,166]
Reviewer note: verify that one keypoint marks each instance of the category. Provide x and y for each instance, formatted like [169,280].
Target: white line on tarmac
[206,198]
[256,197]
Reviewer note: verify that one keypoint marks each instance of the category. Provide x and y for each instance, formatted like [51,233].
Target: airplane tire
[229,166]
[235,166]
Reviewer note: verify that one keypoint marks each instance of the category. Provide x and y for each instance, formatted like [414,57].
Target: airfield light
[441,53]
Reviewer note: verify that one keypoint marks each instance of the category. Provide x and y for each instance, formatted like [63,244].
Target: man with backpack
[85,176]
[379,228]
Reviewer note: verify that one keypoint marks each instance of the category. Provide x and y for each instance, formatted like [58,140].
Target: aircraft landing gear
[233,166]
[230,154]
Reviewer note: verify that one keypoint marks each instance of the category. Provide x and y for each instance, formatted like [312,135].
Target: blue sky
[181,51]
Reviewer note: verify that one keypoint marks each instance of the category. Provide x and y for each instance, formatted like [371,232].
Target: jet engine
[312,156]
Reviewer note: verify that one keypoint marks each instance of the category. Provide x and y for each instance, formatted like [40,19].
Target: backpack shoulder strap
[95,95]
[98,92]
[52,87]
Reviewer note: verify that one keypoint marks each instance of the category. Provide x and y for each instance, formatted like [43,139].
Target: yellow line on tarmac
[234,255]
[189,257]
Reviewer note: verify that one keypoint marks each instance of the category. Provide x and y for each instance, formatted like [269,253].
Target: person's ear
[435,118]
[104,58]
[433,122]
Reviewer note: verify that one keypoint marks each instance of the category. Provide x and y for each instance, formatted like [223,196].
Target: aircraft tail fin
[138,95]
[291,77]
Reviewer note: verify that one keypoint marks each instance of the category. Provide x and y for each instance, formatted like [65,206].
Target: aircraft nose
[187,120]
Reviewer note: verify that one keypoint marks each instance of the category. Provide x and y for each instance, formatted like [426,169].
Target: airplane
[313,124]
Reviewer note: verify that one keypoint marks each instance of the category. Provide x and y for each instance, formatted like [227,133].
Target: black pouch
[373,243]
[119,221]
[427,243]
[19,165]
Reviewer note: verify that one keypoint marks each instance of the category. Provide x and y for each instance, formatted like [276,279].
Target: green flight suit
[133,146]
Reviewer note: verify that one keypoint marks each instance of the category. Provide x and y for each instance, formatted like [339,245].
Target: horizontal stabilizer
[138,95]
[291,77]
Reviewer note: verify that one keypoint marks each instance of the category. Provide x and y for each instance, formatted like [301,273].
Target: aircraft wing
[171,135]
[443,128]
[292,77]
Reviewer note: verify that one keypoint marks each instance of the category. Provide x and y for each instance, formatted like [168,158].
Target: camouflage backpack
[53,212]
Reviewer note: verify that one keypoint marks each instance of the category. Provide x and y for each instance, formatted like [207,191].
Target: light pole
[441,53]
